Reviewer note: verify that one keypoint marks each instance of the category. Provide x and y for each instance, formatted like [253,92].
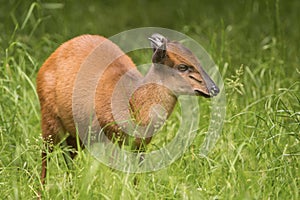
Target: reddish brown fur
[56,79]
[55,82]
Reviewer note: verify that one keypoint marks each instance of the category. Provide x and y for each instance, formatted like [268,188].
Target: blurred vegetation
[247,28]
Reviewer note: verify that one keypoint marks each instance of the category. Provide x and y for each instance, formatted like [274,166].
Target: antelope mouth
[213,91]
[200,93]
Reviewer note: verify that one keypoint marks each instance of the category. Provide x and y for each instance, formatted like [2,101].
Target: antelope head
[183,63]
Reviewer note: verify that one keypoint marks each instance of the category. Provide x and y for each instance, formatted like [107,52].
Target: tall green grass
[255,47]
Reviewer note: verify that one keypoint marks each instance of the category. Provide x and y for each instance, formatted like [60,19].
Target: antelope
[172,64]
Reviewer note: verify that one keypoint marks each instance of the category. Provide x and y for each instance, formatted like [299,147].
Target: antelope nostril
[214,90]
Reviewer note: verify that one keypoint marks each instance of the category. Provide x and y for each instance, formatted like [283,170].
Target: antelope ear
[159,46]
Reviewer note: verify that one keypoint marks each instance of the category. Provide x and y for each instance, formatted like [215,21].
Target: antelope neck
[152,99]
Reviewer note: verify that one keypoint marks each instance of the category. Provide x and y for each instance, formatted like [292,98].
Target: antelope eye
[182,68]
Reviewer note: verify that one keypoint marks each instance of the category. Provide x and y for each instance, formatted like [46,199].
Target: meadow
[255,45]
